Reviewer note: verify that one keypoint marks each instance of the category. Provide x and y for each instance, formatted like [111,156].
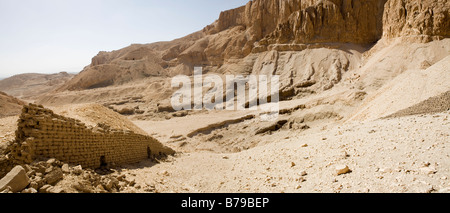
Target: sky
[51,36]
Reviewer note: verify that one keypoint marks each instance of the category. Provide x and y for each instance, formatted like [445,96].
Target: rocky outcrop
[248,24]
[421,21]
[306,72]
[331,21]
[292,22]
[259,17]
[132,63]
[128,64]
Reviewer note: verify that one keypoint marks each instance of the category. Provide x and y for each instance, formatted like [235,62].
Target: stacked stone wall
[42,133]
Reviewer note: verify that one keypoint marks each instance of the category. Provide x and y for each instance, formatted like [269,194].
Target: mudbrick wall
[41,133]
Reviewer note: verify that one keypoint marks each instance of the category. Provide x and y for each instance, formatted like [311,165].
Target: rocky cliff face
[270,25]
[343,21]
[297,22]
[421,21]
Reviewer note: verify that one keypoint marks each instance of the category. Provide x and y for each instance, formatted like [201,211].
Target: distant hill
[9,105]
[32,85]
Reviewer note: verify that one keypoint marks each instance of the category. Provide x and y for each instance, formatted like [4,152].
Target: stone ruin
[44,134]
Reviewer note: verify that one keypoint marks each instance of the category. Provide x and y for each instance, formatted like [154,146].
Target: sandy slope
[9,106]
[407,154]
[409,88]
[434,104]
[93,114]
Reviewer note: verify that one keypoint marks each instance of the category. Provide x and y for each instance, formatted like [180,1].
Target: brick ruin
[42,133]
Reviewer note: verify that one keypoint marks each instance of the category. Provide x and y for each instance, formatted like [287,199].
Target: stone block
[16,179]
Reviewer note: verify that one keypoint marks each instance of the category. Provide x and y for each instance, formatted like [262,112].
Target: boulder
[30,191]
[65,168]
[16,179]
[342,169]
[427,170]
[51,161]
[54,176]
[83,187]
[55,190]
[272,127]
[126,111]
[45,188]
[77,170]
[165,106]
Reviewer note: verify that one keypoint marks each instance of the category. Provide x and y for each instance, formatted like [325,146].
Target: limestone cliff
[421,21]
[269,25]
[344,21]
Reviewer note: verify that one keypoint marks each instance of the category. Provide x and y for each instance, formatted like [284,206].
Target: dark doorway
[103,162]
[149,153]
[103,169]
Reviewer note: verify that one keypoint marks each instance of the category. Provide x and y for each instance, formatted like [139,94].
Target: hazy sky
[49,36]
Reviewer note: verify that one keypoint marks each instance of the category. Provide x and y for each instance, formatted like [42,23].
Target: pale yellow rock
[427,170]
[342,169]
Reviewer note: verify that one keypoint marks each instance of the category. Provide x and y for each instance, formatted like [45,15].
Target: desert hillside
[9,105]
[364,105]
[266,26]
[32,85]
[312,45]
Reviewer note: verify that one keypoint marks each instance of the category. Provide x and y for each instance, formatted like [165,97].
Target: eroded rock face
[269,25]
[331,21]
[421,21]
[250,23]
[299,22]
